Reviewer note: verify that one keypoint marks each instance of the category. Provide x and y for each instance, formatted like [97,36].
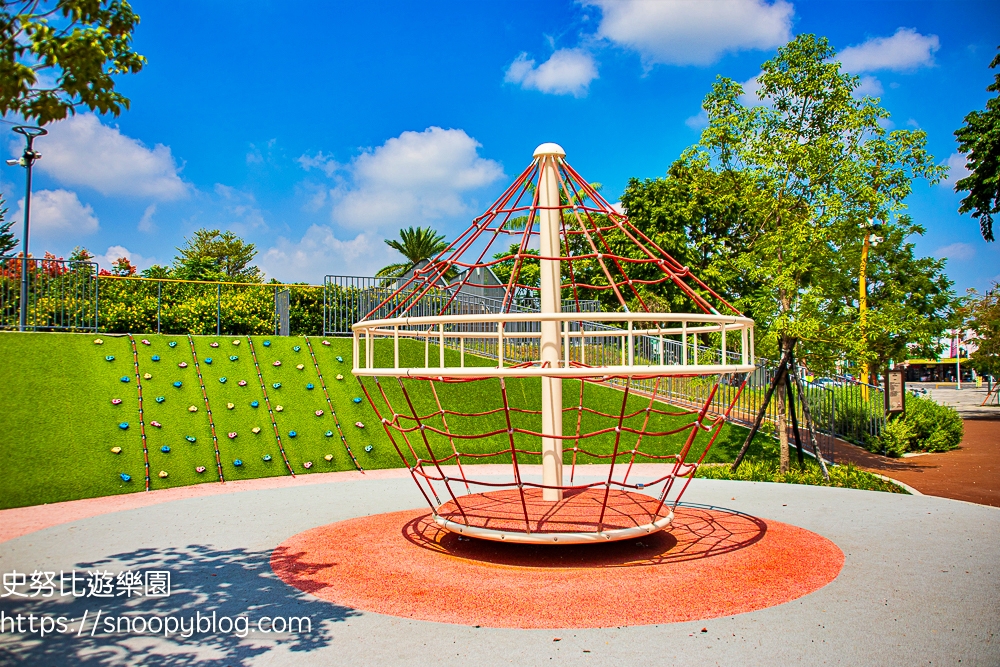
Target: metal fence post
[97,298]
[218,309]
[159,300]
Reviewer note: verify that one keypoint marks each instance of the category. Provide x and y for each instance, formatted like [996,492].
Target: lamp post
[26,160]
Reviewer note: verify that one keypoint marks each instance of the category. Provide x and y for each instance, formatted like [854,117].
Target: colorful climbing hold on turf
[123,426]
[98,341]
[328,457]
[242,383]
[267,343]
[183,364]
[326,342]
[200,469]
[155,357]
[232,435]
[266,457]
[125,378]
[144,341]
[116,450]
[368,448]
[238,462]
[165,449]
[178,384]
[254,404]
[307,465]
[276,385]
[233,357]
[193,408]
[163,474]
[213,344]
[319,413]
[230,405]
[125,478]
[156,424]
[208,360]
[339,376]
[116,401]
[236,342]
[147,376]
[255,430]
[222,380]
[296,348]
[190,438]
[160,399]
[292,434]
[301,367]
[172,343]
[356,399]
[110,357]
[359,424]
[328,434]
[276,363]
[340,359]
[310,386]
[279,408]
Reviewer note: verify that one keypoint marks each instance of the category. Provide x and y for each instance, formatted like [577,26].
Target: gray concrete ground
[965,400]
[919,586]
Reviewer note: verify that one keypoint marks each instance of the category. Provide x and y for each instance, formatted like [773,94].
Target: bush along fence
[64,295]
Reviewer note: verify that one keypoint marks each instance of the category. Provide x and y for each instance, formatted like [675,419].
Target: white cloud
[319,252]
[957,170]
[415,178]
[566,72]
[907,49]
[694,32]
[324,163]
[146,223]
[240,212]
[869,86]
[116,252]
[58,214]
[957,251]
[751,92]
[697,121]
[82,151]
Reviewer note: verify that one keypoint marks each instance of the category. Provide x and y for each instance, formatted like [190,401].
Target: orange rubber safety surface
[710,563]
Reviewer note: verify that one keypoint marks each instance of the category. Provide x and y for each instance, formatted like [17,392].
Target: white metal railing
[641,344]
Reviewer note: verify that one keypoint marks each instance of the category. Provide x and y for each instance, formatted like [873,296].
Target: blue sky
[318,129]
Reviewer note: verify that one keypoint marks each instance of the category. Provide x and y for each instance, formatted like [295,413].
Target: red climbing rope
[208,409]
[333,412]
[267,402]
[142,423]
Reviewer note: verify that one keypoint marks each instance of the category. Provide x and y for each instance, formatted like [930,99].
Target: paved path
[966,400]
[919,585]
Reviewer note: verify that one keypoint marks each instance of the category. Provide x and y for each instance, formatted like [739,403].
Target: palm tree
[416,245]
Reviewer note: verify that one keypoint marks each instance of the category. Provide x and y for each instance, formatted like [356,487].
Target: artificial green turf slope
[58,424]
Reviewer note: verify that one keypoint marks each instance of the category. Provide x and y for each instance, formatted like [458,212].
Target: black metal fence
[62,295]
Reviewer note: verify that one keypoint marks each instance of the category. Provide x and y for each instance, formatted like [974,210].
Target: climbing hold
[310,386]
[144,341]
[296,348]
[278,408]
[193,408]
[357,399]
[276,363]
[266,457]
[183,364]
[178,384]
[328,457]
[292,434]
[307,465]
[301,367]
[276,385]
[200,469]
[359,424]
[328,434]
[236,342]
[340,359]
[208,360]
[155,357]
[368,448]
[125,378]
[147,376]
[326,342]
[319,413]
[160,399]
[172,343]
[125,478]
[267,343]
[233,357]
[242,383]
[254,404]
[230,406]
[232,435]
[116,401]
[255,430]
[156,424]
[163,474]
[165,449]
[222,380]
[110,357]
[339,376]
[116,450]
[98,341]
[123,426]
[238,462]
[213,345]
[190,438]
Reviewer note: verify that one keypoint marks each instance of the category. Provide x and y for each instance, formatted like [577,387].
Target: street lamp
[26,160]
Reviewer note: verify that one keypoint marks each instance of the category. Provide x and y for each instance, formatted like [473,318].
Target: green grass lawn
[59,425]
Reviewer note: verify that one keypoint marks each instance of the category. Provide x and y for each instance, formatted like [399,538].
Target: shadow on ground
[204,580]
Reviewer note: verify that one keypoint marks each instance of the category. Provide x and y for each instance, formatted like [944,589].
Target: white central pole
[550,293]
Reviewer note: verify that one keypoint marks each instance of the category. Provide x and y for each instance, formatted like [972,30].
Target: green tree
[417,245]
[215,255]
[57,55]
[7,239]
[979,140]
